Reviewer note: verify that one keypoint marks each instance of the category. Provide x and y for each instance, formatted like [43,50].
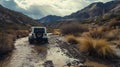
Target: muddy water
[26,55]
[55,54]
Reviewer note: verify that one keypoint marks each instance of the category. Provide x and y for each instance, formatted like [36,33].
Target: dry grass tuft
[6,43]
[96,47]
[103,48]
[112,35]
[56,32]
[72,39]
[97,33]
[22,33]
[7,38]
[86,44]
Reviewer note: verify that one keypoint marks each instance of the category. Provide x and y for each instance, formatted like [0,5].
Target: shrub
[7,38]
[98,32]
[112,35]
[10,31]
[56,32]
[96,47]
[22,33]
[103,48]
[71,39]
[73,29]
[114,23]
[86,44]
[6,43]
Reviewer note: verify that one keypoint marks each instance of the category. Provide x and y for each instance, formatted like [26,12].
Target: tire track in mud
[25,56]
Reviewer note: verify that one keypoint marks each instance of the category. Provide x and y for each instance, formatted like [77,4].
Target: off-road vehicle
[38,34]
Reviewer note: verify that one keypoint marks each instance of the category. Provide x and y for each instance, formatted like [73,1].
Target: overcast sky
[40,8]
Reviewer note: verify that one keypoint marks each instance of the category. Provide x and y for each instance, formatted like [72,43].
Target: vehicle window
[39,30]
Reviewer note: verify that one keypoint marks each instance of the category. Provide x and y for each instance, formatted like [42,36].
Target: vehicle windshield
[39,30]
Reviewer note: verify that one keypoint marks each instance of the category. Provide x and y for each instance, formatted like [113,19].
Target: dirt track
[34,55]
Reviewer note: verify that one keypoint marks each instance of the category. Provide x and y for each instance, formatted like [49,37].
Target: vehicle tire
[46,40]
[30,41]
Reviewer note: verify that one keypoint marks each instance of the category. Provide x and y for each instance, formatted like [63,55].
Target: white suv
[38,34]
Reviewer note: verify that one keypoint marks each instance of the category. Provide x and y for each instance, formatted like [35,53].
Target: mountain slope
[95,10]
[97,13]
[12,19]
[49,18]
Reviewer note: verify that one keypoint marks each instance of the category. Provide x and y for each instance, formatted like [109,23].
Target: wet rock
[75,62]
[118,46]
[48,63]
[85,66]
[58,51]
[27,65]
[69,64]
[117,64]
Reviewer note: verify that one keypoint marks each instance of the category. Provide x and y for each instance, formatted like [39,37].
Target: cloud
[54,7]
[99,0]
[8,3]
[41,8]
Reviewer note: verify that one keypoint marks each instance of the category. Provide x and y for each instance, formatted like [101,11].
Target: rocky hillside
[94,10]
[14,20]
[49,18]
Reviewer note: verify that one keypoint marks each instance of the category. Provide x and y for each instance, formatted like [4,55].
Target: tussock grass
[86,44]
[22,33]
[56,32]
[103,48]
[6,43]
[7,38]
[71,39]
[96,47]
[112,35]
[97,32]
